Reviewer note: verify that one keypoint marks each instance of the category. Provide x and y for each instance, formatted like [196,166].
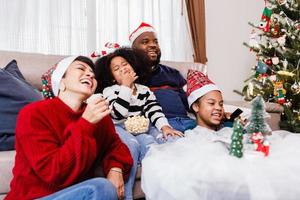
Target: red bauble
[269,62]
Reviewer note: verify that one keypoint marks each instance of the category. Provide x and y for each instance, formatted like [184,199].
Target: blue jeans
[182,124]
[138,147]
[94,189]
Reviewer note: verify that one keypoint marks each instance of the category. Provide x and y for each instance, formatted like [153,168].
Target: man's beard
[157,61]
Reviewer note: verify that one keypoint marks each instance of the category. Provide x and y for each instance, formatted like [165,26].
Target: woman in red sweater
[58,140]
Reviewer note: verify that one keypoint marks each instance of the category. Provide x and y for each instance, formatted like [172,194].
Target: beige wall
[229,61]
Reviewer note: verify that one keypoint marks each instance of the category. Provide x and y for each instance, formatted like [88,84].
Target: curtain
[196,16]
[66,27]
[48,26]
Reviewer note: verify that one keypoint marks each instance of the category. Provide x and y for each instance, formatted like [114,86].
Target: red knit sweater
[56,148]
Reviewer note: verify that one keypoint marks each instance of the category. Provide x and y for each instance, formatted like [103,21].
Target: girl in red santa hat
[199,165]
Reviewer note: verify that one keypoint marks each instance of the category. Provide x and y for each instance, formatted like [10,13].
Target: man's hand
[115,176]
[167,130]
[96,110]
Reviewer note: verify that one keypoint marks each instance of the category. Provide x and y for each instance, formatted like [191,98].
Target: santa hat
[52,78]
[144,27]
[198,85]
[109,47]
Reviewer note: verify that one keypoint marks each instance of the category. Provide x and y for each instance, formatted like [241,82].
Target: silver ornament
[275,60]
[295,88]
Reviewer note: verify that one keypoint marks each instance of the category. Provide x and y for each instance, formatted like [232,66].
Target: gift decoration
[236,146]
[276,44]
[137,124]
[279,92]
[260,143]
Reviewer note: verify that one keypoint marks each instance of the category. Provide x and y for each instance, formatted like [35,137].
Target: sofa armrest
[273,109]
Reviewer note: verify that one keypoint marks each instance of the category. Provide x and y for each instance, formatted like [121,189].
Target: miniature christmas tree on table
[257,119]
[236,146]
[257,127]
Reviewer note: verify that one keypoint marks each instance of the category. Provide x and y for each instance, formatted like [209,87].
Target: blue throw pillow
[15,93]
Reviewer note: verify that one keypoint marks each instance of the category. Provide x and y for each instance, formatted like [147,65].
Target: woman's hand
[167,130]
[96,110]
[115,176]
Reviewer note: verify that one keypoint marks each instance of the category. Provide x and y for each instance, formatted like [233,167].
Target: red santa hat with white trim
[51,79]
[198,85]
[143,27]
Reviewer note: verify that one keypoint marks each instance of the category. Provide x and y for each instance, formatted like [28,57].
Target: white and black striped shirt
[124,104]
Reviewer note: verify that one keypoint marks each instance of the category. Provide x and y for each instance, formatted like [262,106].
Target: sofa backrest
[33,65]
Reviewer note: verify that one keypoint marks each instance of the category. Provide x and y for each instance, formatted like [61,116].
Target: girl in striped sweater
[118,75]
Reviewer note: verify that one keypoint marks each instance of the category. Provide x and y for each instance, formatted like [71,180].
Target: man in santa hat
[166,82]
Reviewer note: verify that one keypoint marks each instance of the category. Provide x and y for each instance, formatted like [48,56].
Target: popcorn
[137,124]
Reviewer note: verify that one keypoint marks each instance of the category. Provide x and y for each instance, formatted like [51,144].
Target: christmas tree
[257,119]
[236,146]
[276,42]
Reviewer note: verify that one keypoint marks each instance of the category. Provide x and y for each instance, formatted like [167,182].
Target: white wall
[229,61]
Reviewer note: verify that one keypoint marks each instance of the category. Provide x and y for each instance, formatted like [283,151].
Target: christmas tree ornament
[285,73]
[288,104]
[275,25]
[284,64]
[281,40]
[236,146]
[295,88]
[281,2]
[273,78]
[275,60]
[253,40]
[250,89]
[264,23]
[269,62]
[261,67]
[279,92]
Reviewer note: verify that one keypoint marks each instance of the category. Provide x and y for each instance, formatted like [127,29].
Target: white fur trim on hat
[59,71]
[144,27]
[196,94]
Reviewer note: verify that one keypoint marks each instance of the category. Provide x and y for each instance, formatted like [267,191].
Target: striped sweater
[124,104]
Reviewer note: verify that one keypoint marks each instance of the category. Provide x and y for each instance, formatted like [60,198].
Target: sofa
[33,66]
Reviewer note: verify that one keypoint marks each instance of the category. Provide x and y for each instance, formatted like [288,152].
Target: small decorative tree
[257,119]
[236,146]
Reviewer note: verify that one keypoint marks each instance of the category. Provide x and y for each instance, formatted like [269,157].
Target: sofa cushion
[15,93]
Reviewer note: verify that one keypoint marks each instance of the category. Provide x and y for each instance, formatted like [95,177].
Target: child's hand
[127,77]
[96,110]
[167,130]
